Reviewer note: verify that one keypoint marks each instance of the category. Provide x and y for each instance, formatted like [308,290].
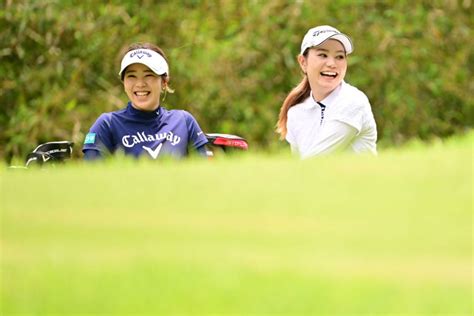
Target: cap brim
[345,41]
[342,38]
[146,57]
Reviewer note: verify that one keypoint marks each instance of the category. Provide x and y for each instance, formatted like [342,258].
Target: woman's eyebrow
[132,70]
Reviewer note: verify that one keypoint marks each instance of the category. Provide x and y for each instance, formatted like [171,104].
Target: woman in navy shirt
[144,127]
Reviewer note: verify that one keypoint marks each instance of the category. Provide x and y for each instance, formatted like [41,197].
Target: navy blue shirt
[134,132]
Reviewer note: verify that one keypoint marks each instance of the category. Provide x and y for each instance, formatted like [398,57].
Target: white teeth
[328,73]
[141,93]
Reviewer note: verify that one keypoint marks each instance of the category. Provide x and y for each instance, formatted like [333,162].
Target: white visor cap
[319,34]
[147,57]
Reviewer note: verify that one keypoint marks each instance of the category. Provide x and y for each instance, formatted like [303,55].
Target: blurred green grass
[247,235]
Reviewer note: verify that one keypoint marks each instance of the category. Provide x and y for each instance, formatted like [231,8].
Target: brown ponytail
[297,95]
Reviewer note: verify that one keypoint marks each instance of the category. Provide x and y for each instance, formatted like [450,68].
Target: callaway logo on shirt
[153,152]
[140,137]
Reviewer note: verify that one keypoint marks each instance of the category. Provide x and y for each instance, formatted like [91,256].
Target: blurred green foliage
[394,243]
[232,63]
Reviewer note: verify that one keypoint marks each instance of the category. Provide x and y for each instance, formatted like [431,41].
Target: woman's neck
[319,95]
[144,109]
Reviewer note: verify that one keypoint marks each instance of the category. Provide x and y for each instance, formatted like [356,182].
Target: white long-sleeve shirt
[341,121]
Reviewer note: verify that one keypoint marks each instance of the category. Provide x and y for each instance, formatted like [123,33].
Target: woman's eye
[323,55]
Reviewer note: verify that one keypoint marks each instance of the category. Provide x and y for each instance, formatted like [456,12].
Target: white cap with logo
[319,34]
[147,57]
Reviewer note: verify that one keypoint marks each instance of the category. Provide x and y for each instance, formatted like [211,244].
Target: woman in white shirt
[323,113]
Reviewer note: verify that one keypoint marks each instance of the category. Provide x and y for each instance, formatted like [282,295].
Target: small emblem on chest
[153,153]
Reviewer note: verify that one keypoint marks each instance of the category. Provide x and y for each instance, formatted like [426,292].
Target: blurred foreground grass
[243,235]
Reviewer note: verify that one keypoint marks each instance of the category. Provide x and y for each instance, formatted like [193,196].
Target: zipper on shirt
[323,108]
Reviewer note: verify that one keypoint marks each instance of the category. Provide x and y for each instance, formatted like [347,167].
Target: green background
[261,233]
[232,64]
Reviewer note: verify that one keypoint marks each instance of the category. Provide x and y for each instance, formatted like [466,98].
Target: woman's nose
[140,82]
[330,62]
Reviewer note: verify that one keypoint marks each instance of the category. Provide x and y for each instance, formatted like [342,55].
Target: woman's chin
[330,84]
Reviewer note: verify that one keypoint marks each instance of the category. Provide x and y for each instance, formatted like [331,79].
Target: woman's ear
[303,63]
[164,82]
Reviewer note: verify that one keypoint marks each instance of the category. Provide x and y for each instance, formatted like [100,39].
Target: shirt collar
[310,102]
[143,114]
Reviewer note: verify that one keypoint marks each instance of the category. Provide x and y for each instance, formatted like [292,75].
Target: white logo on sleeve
[199,133]
[153,153]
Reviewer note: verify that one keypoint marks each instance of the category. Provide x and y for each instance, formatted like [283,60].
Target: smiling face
[143,87]
[325,66]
